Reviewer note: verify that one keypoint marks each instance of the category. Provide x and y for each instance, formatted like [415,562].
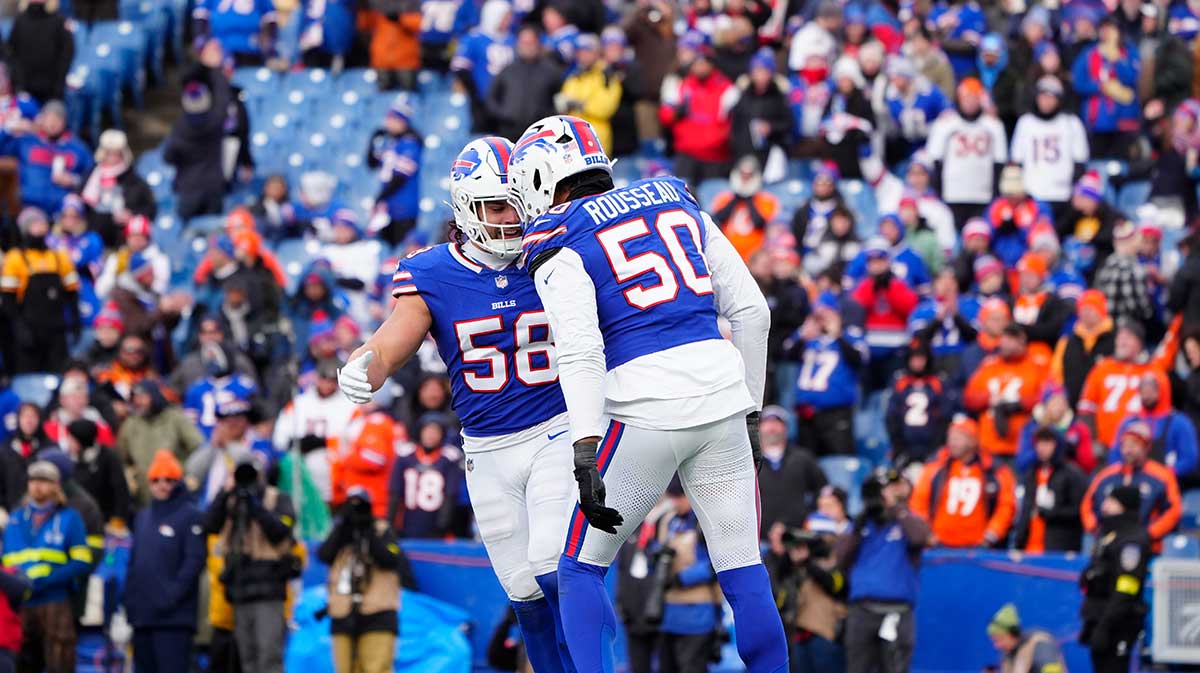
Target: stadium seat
[848,473]
[708,191]
[362,81]
[1131,195]
[294,255]
[256,82]
[35,388]
[128,40]
[1181,547]
[1191,510]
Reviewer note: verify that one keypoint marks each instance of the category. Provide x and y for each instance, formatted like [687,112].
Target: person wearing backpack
[38,299]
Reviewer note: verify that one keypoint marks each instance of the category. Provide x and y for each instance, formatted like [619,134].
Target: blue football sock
[549,585]
[587,615]
[537,629]
[761,642]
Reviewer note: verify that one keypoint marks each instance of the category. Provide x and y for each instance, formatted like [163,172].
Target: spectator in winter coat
[40,50]
[138,239]
[1106,76]
[523,92]
[1173,437]
[479,56]
[395,151]
[838,247]
[986,523]
[52,162]
[1075,437]
[1123,279]
[46,539]
[192,367]
[907,265]
[1050,145]
[1043,313]
[1047,61]
[144,312]
[98,470]
[316,296]
[14,587]
[693,113]
[760,117]
[940,321]
[166,558]
[790,477]
[960,28]
[619,65]
[1091,338]
[74,404]
[194,144]
[919,236]
[1012,216]
[967,144]
[1160,507]
[917,184]
[114,192]
[1086,226]
[888,301]
[848,121]
[395,49]
[928,59]
[153,425]
[589,92]
[1184,293]
[811,219]
[1052,489]
[999,78]
[744,211]
[38,299]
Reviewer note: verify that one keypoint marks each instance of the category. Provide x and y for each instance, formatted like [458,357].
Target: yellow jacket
[19,264]
[594,97]
[220,612]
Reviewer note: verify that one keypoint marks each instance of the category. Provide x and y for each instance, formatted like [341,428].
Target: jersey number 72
[670,274]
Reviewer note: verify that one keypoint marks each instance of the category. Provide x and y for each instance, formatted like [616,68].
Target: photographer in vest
[364,587]
[1033,651]
[253,523]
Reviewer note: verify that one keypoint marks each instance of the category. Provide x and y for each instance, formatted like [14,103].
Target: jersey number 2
[626,268]
[491,356]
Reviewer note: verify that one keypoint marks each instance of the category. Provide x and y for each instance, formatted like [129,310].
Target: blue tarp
[432,638]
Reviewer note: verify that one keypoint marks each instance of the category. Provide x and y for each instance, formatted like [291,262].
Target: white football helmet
[478,175]
[550,150]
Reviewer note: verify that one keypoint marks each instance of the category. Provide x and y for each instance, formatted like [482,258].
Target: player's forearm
[569,297]
[397,339]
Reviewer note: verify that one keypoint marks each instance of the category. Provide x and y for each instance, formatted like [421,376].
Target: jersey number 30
[670,274]
[527,371]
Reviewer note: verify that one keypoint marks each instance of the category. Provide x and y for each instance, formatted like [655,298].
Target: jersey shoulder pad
[417,266]
[546,232]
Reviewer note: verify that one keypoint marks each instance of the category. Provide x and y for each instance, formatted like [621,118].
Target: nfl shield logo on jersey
[501,282]
[470,465]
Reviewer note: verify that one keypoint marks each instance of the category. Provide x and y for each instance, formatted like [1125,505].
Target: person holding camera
[253,522]
[364,587]
[685,599]
[810,592]
[881,556]
[1024,650]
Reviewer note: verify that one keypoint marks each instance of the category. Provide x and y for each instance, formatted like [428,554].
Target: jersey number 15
[670,274]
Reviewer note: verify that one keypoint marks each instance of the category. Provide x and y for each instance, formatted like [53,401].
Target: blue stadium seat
[1191,510]
[128,40]
[294,255]
[848,473]
[791,194]
[256,83]
[35,388]
[1181,546]
[6,25]
[362,81]
[1131,195]
[708,191]
[861,200]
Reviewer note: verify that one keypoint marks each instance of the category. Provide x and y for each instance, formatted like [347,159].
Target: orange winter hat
[165,466]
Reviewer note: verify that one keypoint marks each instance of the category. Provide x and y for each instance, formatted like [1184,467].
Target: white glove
[352,379]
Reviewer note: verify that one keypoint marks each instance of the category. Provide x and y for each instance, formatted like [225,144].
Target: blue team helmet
[551,150]
[479,175]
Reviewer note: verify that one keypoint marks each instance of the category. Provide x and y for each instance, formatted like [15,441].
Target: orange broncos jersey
[1111,394]
[965,502]
[998,380]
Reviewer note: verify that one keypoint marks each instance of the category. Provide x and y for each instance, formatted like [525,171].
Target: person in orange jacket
[1004,390]
[968,499]
[395,43]
[248,244]
[744,211]
[1110,392]
[365,457]
[1161,506]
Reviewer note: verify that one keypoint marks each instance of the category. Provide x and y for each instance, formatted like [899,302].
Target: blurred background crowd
[973,224]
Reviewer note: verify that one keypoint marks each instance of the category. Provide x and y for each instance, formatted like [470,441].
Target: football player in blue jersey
[495,339]
[633,281]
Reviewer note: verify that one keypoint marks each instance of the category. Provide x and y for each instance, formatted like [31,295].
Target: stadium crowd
[1011,330]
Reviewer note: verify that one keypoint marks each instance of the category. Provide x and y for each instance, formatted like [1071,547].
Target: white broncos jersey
[1048,150]
[969,152]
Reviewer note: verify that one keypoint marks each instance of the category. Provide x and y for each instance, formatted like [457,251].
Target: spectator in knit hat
[1087,224]
[1054,412]
[46,541]
[1051,488]
[114,191]
[194,366]
[760,115]
[38,299]
[98,470]
[1062,278]
[999,78]
[80,500]
[40,50]
[194,146]
[691,111]
[143,310]
[154,424]
[744,211]
[1012,215]
[72,402]
[83,246]
[1092,337]
[917,185]
[959,27]
[166,558]
[1048,61]
[913,102]
[394,151]
[1160,506]
[1123,279]
[1047,173]
[848,120]
[107,330]
[1173,436]
[52,161]
[139,234]
[928,58]
[1039,310]
[817,37]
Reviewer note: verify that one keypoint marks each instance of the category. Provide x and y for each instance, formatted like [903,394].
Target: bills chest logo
[465,164]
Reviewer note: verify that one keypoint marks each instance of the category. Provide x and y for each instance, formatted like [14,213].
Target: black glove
[591,489]
[755,443]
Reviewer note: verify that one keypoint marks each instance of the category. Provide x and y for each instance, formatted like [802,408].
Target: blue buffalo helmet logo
[465,164]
